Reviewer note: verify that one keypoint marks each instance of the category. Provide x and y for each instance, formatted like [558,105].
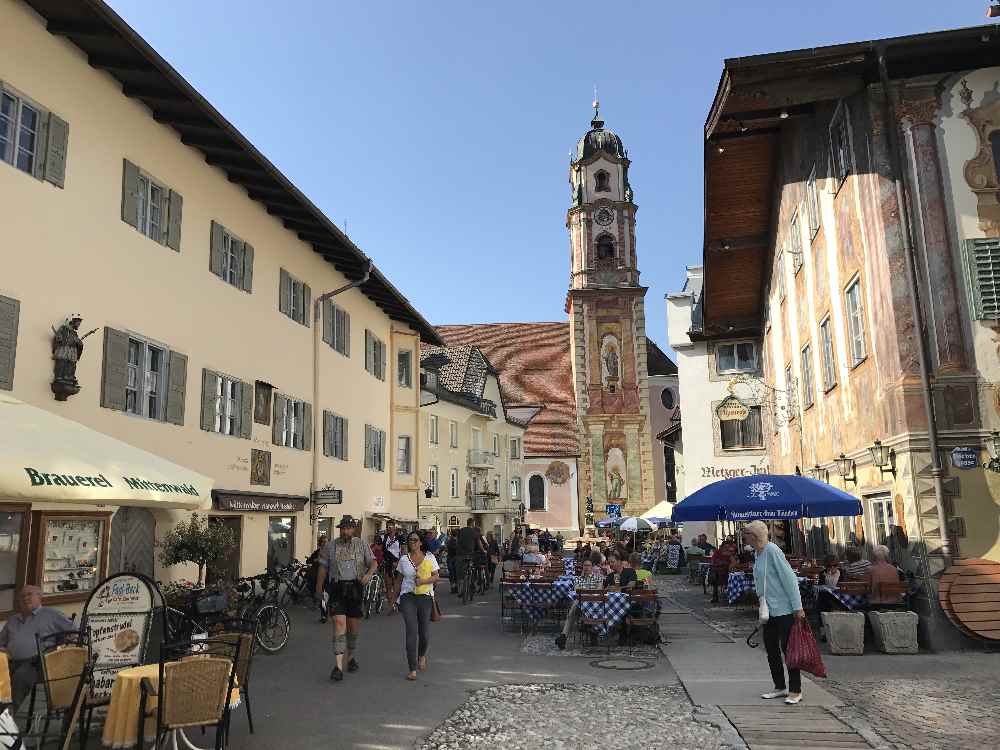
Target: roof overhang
[111,45]
[756,98]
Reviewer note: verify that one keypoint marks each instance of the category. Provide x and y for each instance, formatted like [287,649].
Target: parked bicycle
[295,585]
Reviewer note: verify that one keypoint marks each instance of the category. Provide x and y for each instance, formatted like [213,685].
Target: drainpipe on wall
[895,166]
[318,411]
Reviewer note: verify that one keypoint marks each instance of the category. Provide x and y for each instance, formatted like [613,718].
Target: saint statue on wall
[610,362]
[616,473]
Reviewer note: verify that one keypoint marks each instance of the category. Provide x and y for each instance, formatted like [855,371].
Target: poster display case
[70,553]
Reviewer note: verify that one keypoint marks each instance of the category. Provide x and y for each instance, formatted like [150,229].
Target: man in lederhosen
[346,564]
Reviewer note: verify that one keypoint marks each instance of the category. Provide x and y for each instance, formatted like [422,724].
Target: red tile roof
[535,368]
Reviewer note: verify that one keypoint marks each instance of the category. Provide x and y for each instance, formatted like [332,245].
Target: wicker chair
[65,662]
[196,680]
[242,632]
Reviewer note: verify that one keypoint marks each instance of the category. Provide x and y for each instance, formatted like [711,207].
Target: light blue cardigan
[782,585]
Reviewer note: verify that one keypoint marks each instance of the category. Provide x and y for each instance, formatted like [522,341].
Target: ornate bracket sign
[732,410]
[747,388]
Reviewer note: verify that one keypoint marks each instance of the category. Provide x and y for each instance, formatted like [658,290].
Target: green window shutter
[215,249]
[285,293]
[278,425]
[246,409]
[306,305]
[347,333]
[307,427]
[329,315]
[368,351]
[10,313]
[368,447]
[982,258]
[41,139]
[175,212]
[327,433]
[56,150]
[209,389]
[344,452]
[130,193]
[247,267]
[115,369]
[381,450]
[176,387]
[381,360]
[237,248]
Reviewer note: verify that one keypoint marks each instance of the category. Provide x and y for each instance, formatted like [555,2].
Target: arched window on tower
[605,247]
[601,181]
[536,492]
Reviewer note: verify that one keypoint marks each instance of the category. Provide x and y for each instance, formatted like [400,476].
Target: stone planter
[845,632]
[895,632]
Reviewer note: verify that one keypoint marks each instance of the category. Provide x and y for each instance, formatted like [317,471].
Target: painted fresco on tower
[611,358]
[616,471]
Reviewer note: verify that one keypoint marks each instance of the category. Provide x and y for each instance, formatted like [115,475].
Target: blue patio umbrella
[767,497]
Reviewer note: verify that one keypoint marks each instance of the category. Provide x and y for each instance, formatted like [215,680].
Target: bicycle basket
[212,604]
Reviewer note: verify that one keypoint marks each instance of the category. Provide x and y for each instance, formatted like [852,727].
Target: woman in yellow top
[642,575]
[416,598]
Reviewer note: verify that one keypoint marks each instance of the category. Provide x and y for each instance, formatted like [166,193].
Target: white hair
[759,530]
[881,552]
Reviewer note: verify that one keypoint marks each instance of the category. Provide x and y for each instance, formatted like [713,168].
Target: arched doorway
[132,539]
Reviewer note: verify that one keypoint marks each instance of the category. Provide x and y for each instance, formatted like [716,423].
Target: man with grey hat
[346,565]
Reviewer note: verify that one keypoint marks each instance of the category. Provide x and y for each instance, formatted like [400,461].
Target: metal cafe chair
[588,623]
[643,604]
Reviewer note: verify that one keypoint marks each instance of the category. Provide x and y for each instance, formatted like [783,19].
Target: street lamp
[882,457]
[847,469]
[993,448]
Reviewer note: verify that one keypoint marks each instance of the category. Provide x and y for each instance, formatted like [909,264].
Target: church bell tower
[608,329]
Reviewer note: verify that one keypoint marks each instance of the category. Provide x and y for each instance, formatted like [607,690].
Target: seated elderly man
[532,556]
[589,578]
[17,638]
[881,572]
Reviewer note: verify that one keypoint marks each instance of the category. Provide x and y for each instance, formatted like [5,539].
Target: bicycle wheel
[273,628]
[467,584]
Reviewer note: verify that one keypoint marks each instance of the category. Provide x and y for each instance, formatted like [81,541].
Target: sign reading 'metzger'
[39,478]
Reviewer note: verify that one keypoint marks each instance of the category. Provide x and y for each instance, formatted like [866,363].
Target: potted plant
[196,541]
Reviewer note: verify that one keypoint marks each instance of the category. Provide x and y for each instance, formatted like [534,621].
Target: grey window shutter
[307,427]
[329,316]
[285,293]
[175,211]
[343,438]
[327,433]
[368,350]
[215,249]
[130,193]
[246,409]
[237,248]
[381,360]
[41,139]
[306,305]
[247,267]
[278,426]
[56,150]
[176,387]
[10,313]
[209,389]
[115,374]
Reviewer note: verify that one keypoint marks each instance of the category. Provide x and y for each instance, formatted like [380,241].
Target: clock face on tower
[604,217]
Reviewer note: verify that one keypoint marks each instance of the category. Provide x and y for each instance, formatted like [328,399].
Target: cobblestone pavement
[921,702]
[556,716]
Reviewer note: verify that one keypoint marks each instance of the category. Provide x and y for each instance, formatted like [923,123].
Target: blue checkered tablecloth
[535,598]
[737,585]
[569,565]
[851,601]
[614,608]
[703,568]
[648,560]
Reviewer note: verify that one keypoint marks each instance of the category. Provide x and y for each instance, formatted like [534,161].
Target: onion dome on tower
[599,138]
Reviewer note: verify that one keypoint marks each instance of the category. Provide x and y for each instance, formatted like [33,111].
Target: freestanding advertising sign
[119,615]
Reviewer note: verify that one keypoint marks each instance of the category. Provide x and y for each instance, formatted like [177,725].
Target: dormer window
[601,182]
[605,247]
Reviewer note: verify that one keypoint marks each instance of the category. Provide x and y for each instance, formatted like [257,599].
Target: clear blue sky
[440,132]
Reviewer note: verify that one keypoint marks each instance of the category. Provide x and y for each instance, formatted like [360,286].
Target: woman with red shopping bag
[780,606]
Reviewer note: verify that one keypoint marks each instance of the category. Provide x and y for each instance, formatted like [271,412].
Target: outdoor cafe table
[614,608]
[737,585]
[851,601]
[535,597]
[123,711]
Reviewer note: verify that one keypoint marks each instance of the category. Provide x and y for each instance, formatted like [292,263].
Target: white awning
[48,458]
[660,510]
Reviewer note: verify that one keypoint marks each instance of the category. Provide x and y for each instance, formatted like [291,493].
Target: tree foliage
[196,541]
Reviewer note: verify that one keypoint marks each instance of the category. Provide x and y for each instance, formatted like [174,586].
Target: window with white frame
[144,387]
[739,356]
[294,298]
[515,488]
[403,464]
[515,447]
[335,435]
[453,434]
[374,448]
[882,516]
[19,125]
[404,368]
[294,424]
[829,358]
[855,323]
[433,429]
[150,197]
[840,145]
[374,355]
[227,405]
[807,376]
[812,203]
[795,243]
[744,433]
[433,480]
[454,482]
